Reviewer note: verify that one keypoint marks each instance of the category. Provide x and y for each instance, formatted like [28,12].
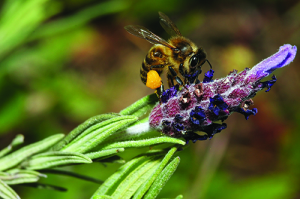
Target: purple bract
[197,107]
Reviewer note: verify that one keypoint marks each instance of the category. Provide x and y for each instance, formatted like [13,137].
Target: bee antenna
[209,63]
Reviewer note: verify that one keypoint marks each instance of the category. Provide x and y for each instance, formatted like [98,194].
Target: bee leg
[181,69]
[182,73]
[174,75]
[170,80]
[197,81]
[193,77]
[159,91]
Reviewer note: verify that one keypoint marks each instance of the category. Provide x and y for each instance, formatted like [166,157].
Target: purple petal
[283,57]
[208,76]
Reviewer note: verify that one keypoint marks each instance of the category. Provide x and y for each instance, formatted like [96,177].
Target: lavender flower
[197,107]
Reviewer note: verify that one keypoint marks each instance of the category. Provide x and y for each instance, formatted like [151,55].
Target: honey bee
[178,55]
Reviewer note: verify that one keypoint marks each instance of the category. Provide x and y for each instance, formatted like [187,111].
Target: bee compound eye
[194,61]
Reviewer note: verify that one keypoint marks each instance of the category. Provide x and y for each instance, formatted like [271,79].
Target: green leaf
[161,180]
[179,197]
[102,197]
[141,106]
[72,174]
[145,142]
[112,182]
[21,154]
[137,177]
[19,139]
[143,189]
[17,176]
[46,186]
[82,127]
[55,158]
[104,153]
[6,192]
[136,131]
[146,119]
[96,134]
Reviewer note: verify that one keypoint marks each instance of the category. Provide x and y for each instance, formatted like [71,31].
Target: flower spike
[201,107]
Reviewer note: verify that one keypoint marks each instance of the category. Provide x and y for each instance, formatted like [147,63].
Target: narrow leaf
[141,106]
[17,176]
[132,182]
[21,154]
[103,124]
[143,189]
[161,180]
[146,119]
[90,139]
[46,186]
[19,139]
[6,192]
[102,197]
[82,127]
[136,131]
[55,158]
[143,143]
[111,183]
[72,174]
[104,153]
[145,174]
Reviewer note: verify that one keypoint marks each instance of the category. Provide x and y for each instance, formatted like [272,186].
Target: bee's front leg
[173,75]
[183,73]
[170,80]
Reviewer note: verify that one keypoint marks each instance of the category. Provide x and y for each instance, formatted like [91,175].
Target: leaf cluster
[96,140]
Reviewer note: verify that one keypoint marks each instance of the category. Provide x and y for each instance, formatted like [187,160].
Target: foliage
[62,62]
[142,177]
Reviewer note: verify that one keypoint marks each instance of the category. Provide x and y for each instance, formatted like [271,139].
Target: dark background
[62,62]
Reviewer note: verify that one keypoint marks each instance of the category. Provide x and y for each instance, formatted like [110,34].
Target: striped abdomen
[155,60]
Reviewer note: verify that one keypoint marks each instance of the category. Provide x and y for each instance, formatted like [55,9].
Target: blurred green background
[62,62]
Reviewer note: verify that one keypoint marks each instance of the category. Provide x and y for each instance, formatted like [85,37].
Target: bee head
[198,59]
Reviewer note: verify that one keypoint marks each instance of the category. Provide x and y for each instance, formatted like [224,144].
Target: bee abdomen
[143,72]
[153,61]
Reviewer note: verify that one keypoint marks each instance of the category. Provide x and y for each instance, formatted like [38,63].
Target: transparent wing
[168,25]
[144,33]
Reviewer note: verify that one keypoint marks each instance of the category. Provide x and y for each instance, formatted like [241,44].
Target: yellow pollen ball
[153,80]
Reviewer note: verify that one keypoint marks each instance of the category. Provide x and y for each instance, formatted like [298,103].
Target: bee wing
[144,33]
[168,25]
